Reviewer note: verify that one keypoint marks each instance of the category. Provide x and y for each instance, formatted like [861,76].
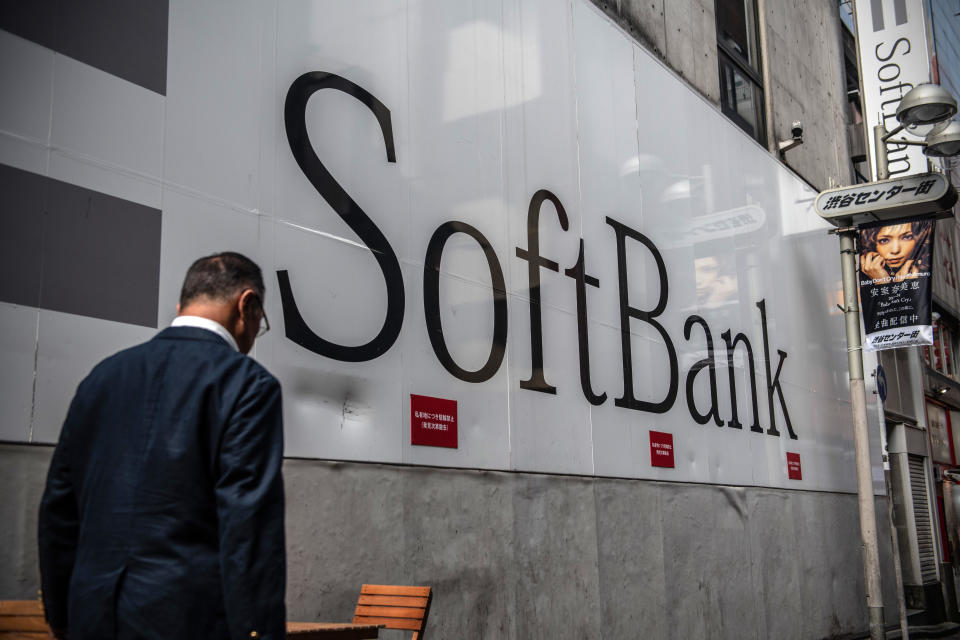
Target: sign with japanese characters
[661,449]
[895,268]
[794,471]
[927,193]
[433,422]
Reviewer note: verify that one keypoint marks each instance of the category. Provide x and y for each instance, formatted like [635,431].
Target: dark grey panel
[30,19]
[101,256]
[900,11]
[876,12]
[70,249]
[126,38]
[21,218]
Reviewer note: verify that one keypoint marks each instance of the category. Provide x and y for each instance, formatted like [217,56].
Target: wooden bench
[395,607]
[23,620]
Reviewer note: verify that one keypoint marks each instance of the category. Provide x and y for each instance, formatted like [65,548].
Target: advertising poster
[895,267]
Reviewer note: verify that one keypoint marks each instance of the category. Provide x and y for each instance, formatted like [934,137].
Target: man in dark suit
[163,510]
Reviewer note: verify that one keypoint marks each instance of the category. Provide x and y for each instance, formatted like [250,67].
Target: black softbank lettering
[888,76]
[298,331]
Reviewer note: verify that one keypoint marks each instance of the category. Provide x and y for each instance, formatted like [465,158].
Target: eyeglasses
[264,325]
[264,322]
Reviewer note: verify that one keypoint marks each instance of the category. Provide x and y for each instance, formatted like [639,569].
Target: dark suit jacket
[163,510]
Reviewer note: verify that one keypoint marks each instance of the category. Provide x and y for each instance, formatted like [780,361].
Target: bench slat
[391,623]
[389,612]
[394,601]
[21,608]
[23,623]
[390,590]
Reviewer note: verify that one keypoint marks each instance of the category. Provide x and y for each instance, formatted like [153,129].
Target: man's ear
[246,303]
[178,308]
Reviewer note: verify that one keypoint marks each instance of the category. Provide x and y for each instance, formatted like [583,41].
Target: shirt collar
[208,324]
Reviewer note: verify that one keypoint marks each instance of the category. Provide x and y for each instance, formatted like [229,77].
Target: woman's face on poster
[895,244]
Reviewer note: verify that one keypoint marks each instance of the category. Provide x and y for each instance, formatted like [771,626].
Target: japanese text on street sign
[921,194]
[870,196]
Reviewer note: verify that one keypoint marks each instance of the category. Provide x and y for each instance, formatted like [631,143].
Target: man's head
[227,288]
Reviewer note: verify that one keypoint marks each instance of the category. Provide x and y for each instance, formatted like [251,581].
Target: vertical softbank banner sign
[496,235]
[892,39]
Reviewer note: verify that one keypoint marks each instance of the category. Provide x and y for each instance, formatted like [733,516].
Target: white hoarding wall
[509,205]
[894,58]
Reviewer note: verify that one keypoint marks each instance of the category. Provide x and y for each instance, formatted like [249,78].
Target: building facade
[588,377]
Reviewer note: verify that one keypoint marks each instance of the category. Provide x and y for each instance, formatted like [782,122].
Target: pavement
[946,630]
[950,630]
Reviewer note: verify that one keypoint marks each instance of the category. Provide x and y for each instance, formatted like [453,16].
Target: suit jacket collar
[208,324]
[191,333]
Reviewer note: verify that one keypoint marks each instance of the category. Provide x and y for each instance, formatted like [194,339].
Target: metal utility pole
[924,104]
[858,400]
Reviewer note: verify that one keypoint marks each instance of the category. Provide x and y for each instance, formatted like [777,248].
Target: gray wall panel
[23,473]
[522,556]
[775,569]
[555,555]
[458,537]
[707,563]
[344,528]
[630,556]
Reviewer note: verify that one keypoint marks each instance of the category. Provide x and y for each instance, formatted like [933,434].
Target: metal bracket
[840,230]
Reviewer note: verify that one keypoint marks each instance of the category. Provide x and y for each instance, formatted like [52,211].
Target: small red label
[793,466]
[661,449]
[433,421]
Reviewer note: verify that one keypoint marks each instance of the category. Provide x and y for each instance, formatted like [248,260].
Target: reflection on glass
[741,99]
[735,29]
[741,91]
[471,82]
[716,281]
[939,357]
[939,436]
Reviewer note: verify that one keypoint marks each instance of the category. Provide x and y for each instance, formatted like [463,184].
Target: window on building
[942,355]
[738,50]
[854,117]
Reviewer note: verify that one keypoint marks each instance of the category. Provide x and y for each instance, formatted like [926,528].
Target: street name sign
[916,195]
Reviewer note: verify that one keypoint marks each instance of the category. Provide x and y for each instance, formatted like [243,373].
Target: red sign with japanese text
[793,466]
[661,449]
[433,421]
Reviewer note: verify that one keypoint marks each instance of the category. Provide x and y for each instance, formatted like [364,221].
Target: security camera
[796,130]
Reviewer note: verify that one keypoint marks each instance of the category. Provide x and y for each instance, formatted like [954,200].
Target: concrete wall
[525,556]
[682,33]
[807,83]
[804,60]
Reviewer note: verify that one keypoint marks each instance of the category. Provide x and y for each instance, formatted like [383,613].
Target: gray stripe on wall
[67,248]
[876,12]
[126,38]
[900,11]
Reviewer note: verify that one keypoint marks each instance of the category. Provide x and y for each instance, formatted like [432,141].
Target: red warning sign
[433,421]
[661,449]
[793,466]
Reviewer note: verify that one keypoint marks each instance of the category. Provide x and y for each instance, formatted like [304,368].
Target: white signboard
[496,235]
[891,36]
